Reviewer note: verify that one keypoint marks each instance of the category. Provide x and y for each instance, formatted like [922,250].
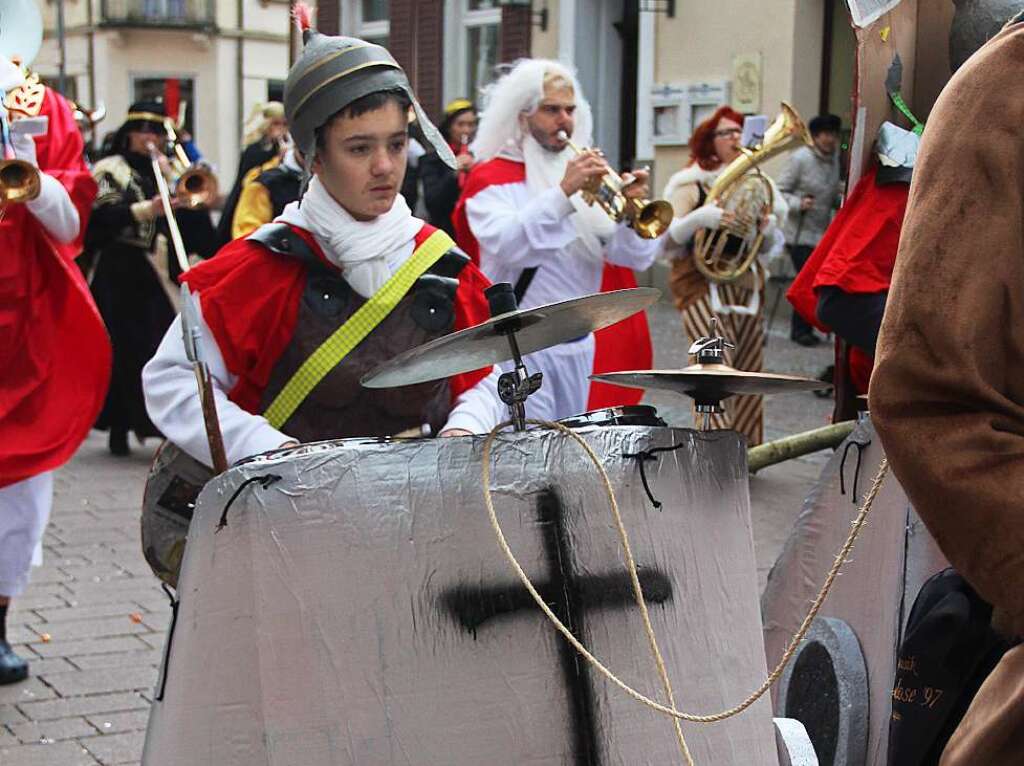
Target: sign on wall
[866,12]
[746,82]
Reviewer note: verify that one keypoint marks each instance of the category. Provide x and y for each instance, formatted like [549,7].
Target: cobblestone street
[93,620]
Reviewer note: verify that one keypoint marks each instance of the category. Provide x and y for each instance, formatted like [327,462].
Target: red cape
[250,301]
[623,346]
[857,255]
[54,349]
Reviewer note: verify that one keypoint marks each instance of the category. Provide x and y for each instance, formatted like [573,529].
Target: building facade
[215,59]
[652,69]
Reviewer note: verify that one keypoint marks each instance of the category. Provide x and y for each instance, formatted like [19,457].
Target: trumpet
[650,218]
[19,181]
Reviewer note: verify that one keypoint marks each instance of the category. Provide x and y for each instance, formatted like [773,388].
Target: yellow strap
[349,335]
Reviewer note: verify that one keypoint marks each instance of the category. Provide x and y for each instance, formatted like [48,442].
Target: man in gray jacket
[812,188]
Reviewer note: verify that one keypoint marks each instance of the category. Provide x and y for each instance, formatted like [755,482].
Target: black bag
[948,650]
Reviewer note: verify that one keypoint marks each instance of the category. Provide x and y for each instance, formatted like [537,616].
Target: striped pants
[744,414]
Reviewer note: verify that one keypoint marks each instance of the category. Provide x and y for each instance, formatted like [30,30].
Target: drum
[172,487]
[168,502]
[358,609]
[629,415]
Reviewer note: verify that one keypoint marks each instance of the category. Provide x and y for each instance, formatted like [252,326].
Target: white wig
[520,91]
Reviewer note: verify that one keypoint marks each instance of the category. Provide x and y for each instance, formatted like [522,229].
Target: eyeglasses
[728,132]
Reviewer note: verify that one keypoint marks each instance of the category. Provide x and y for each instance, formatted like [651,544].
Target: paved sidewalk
[94,617]
[91,623]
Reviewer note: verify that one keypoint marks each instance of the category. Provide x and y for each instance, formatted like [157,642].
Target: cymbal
[487,344]
[711,382]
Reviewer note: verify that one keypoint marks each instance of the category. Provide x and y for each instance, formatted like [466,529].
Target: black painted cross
[570,597]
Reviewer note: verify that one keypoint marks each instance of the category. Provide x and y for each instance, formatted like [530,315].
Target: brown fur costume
[947,394]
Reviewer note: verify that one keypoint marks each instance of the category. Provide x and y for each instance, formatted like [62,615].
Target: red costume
[250,300]
[856,255]
[53,347]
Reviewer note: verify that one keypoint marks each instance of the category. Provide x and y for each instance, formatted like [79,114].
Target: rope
[638,594]
[670,710]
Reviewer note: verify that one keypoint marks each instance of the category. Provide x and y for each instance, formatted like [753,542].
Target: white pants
[24,511]
[566,385]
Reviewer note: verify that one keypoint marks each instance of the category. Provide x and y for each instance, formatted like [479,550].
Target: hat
[145,115]
[824,123]
[332,73]
[142,116]
[452,112]
[458,105]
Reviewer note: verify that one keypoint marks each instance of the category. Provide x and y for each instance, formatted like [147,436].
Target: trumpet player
[133,270]
[53,349]
[523,218]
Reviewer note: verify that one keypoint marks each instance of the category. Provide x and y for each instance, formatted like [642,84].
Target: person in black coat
[133,268]
[441,184]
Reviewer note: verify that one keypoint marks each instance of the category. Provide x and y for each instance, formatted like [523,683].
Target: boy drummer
[276,308]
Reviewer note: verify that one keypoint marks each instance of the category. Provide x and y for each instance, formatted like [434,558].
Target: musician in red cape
[54,352]
[287,314]
[522,218]
[844,284]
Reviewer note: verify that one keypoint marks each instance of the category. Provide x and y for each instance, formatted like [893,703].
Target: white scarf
[359,248]
[544,170]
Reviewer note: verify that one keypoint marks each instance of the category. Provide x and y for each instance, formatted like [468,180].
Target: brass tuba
[650,218]
[726,254]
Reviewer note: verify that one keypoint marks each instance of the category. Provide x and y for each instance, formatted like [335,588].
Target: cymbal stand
[709,350]
[515,386]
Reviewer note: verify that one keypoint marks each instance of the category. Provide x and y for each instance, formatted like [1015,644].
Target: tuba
[650,218]
[726,254]
[21,34]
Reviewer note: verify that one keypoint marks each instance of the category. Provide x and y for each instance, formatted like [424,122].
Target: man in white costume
[523,219]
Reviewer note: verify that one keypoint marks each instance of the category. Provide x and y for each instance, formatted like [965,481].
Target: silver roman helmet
[333,72]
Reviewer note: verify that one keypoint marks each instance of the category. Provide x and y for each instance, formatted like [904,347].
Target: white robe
[516,230]
[24,511]
[25,506]
[173,404]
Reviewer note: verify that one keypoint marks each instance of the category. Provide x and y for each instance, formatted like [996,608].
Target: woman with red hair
[737,305]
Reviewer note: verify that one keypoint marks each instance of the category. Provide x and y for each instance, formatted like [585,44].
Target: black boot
[118,441]
[12,667]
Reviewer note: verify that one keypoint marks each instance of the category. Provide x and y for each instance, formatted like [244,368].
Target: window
[480,23]
[176,93]
[369,20]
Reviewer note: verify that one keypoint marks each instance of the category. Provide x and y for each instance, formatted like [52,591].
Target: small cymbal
[487,344]
[711,382]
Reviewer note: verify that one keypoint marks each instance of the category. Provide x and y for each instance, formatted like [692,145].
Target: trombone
[650,218]
[196,186]
[191,331]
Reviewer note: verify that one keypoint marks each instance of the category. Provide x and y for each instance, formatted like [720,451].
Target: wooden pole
[798,445]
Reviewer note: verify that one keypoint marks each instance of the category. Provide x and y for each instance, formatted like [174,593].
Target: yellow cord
[670,710]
